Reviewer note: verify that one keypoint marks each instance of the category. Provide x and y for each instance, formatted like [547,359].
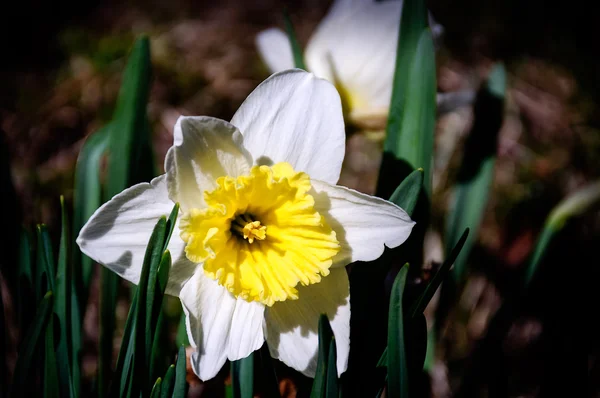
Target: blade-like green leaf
[171,224]
[157,356]
[156,389]
[413,139]
[419,306]
[51,381]
[477,170]
[129,162]
[45,262]
[407,194]
[575,204]
[325,336]
[109,284]
[333,384]
[411,120]
[182,338]
[180,388]
[242,377]
[62,306]
[397,366]
[87,197]
[143,336]
[27,348]
[125,357]
[296,49]
[128,135]
[166,390]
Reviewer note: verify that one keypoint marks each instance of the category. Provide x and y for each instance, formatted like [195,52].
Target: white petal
[275,49]
[355,46]
[204,149]
[297,118]
[219,326]
[292,325]
[363,223]
[118,232]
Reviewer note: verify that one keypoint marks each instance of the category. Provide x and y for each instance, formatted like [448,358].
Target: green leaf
[128,133]
[412,115]
[171,224]
[109,285]
[575,204]
[62,306]
[129,161]
[156,389]
[319,388]
[407,194]
[421,303]
[333,387]
[168,383]
[44,263]
[143,336]
[87,197]
[477,169]
[296,49]
[242,377]
[27,348]
[157,354]
[182,337]
[125,357]
[180,388]
[397,366]
[411,138]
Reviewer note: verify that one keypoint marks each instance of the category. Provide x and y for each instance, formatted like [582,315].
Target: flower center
[260,235]
[248,229]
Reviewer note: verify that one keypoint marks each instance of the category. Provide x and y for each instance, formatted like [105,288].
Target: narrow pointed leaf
[124,359]
[576,203]
[411,120]
[477,169]
[27,348]
[421,303]
[180,388]
[325,335]
[129,161]
[296,49]
[143,337]
[87,197]
[242,377]
[397,366]
[62,306]
[181,339]
[166,390]
[333,388]
[407,194]
[44,262]
[156,389]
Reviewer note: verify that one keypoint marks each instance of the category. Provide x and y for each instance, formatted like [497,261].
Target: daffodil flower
[354,47]
[263,234]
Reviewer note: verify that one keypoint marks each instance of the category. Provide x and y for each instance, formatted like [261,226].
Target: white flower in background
[264,233]
[353,47]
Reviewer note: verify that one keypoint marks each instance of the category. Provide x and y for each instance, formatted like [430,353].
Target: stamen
[248,228]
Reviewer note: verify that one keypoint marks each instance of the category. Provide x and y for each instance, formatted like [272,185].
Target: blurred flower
[353,47]
[264,233]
